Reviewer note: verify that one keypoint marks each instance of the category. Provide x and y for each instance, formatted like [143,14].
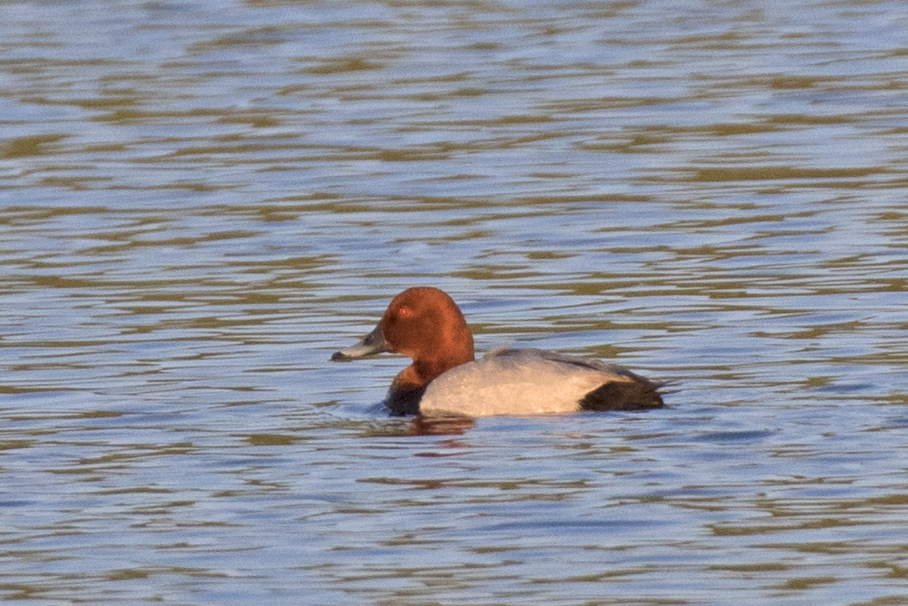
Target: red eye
[403,312]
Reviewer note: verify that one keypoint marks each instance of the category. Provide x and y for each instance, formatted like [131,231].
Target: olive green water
[199,202]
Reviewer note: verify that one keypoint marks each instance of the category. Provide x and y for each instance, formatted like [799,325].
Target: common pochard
[426,325]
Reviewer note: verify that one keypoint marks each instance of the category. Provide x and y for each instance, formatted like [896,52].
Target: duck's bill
[372,343]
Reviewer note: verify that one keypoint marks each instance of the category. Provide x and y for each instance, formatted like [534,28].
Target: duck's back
[533,381]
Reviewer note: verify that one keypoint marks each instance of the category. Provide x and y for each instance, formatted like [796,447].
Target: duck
[445,378]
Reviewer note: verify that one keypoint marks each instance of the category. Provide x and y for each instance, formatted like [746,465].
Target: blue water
[200,202]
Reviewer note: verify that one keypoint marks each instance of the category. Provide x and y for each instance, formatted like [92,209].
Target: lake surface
[201,201]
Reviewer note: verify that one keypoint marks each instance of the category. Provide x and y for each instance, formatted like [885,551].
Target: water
[199,202]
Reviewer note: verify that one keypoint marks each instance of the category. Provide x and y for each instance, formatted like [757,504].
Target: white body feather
[518,382]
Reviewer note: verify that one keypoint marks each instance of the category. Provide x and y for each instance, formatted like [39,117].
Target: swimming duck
[444,378]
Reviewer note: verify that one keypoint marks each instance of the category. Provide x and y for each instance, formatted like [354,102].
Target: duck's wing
[617,388]
[529,353]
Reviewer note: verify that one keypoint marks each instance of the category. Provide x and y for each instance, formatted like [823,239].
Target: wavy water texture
[200,201]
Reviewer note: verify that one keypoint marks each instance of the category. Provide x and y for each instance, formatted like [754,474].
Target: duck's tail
[624,395]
